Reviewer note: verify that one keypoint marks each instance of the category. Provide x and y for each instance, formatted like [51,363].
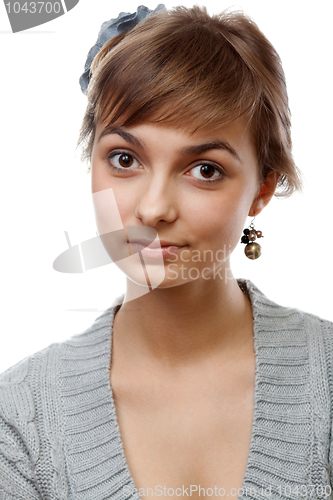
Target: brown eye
[125,160]
[207,173]
[121,160]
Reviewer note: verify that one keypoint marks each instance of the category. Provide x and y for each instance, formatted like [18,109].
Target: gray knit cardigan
[59,436]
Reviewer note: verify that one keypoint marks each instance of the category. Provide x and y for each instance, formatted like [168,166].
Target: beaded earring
[252,249]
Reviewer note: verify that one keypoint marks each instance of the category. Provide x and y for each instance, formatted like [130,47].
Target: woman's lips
[155,253]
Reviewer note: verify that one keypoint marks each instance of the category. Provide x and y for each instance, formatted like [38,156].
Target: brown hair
[187,69]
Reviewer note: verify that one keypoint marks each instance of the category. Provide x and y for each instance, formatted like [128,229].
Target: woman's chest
[196,437]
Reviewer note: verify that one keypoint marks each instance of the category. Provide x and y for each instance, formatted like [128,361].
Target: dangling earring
[252,249]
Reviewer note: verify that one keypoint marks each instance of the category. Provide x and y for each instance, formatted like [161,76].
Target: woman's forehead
[239,127]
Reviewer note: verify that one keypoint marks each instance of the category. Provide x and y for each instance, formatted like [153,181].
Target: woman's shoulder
[281,325]
[288,335]
[264,307]
[39,399]
[78,344]
[42,376]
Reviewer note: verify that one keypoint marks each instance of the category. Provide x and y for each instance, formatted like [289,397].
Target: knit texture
[59,436]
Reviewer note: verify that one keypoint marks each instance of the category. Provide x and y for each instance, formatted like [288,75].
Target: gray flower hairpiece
[109,29]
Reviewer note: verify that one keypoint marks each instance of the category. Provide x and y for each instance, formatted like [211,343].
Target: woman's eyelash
[128,160]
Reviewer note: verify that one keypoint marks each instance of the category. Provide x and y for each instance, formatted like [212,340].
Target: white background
[45,189]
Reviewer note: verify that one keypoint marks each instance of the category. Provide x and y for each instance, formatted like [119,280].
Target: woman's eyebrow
[190,150]
[125,135]
[215,144]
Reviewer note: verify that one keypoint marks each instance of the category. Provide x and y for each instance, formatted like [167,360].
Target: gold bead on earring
[252,249]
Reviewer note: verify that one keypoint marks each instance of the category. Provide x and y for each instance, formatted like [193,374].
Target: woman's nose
[156,202]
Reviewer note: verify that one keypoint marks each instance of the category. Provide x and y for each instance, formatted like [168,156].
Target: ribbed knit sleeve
[32,462]
[19,442]
[16,469]
[327,329]
[291,430]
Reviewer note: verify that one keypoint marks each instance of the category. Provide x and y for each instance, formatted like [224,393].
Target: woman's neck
[184,324]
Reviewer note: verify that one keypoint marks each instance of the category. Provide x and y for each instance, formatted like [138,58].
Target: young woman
[193,383]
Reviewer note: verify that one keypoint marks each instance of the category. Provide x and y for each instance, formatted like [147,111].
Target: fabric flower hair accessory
[109,29]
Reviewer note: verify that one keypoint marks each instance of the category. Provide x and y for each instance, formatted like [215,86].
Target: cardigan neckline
[249,290]
[269,401]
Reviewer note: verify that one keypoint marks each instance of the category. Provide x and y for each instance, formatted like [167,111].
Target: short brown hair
[188,69]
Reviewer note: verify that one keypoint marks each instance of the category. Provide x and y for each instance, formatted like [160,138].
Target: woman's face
[194,190]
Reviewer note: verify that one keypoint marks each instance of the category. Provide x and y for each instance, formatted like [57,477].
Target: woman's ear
[266,191]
